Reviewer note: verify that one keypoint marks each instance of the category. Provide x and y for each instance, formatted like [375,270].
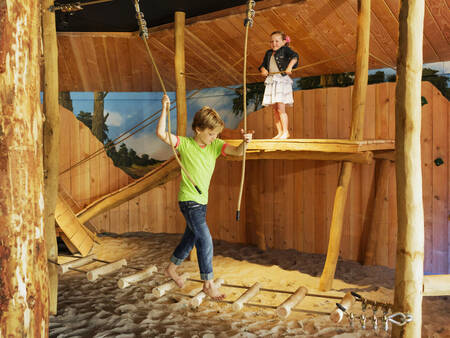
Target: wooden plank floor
[317,145]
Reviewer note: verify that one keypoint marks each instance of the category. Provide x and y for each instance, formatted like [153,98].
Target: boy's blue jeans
[196,233]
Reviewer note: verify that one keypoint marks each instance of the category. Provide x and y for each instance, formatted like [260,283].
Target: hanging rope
[248,22]
[143,33]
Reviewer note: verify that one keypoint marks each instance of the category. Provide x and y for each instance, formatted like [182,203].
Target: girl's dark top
[282,57]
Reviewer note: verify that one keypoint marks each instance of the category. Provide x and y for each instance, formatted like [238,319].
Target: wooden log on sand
[137,277]
[284,310]
[105,269]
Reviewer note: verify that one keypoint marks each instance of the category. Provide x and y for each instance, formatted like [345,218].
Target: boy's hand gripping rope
[143,33]
[248,22]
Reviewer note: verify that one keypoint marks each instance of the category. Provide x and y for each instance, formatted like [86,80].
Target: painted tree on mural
[98,118]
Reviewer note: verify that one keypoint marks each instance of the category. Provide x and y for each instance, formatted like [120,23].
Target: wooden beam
[164,173]
[51,145]
[180,80]
[319,145]
[24,293]
[358,105]
[436,285]
[410,238]
[365,157]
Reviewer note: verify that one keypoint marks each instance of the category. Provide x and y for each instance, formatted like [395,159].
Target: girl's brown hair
[207,118]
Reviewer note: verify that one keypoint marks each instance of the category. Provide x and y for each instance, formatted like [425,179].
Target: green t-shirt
[199,163]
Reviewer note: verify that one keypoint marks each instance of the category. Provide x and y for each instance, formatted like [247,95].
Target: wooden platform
[315,149]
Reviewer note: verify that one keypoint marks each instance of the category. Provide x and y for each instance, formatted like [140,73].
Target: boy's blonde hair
[207,118]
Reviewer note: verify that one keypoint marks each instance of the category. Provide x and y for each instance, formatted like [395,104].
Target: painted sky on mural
[126,109]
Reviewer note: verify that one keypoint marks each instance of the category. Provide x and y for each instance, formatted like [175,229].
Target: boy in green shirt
[198,156]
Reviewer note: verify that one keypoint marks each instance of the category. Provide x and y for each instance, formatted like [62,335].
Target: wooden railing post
[357,128]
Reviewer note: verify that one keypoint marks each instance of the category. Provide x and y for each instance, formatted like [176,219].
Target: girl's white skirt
[278,89]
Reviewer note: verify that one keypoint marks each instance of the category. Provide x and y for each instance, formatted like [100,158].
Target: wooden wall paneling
[381,111]
[341,31]
[97,45]
[172,195]
[78,66]
[426,141]
[75,172]
[279,203]
[114,223]
[138,63]
[124,217]
[323,50]
[135,210]
[320,207]
[65,143]
[143,212]
[113,186]
[297,123]
[437,11]
[428,52]
[222,223]
[386,18]
[85,135]
[309,169]
[239,231]
[64,75]
[92,64]
[440,194]
[152,211]
[94,169]
[71,64]
[106,59]
[179,216]
[253,229]
[124,61]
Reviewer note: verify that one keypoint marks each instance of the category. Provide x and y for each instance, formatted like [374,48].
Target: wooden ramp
[73,233]
[162,174]
[316,149]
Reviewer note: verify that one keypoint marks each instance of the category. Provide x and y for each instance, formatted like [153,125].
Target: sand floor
[101,309]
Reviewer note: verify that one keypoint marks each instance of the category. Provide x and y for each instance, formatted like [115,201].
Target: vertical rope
[248,22]
[143,32]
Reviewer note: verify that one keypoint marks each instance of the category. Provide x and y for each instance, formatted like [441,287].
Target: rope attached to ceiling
[143,33]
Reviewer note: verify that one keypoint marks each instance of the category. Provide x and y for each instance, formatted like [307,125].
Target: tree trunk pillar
[410,239]
[24,308]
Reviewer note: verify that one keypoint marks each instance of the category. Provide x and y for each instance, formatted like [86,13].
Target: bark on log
[23,258]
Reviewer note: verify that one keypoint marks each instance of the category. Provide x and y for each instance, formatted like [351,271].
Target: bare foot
[212,291]
[284,136]
[171,271]
[276,136]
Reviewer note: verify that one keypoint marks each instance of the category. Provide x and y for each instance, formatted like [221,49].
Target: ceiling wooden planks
[319,29]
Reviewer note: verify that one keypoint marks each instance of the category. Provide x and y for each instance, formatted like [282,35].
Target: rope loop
[143,30]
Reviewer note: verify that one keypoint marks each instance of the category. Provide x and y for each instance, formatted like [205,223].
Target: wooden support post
[51,145]
[347,302]
[410,238]
[284,310]
[63,268]
[24,310]
[105,269]
[179,73]
[137,277]
[381,185]
[246,296]
[358,106]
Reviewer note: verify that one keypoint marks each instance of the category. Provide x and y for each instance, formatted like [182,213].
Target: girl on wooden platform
[277,65]
[198,155]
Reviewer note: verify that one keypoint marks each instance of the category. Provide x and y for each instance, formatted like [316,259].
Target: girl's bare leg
[277,120]
[283,121]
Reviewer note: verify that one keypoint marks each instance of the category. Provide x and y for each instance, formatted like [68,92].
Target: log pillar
[357,128]
[179,77]
[51,145]
[410,238]
[24,308]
